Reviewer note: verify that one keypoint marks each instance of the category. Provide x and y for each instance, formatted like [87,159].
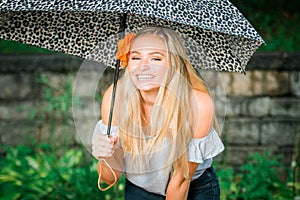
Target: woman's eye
[135,58]
[156,59]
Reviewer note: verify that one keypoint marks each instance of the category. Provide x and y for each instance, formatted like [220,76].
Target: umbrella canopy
[215,33]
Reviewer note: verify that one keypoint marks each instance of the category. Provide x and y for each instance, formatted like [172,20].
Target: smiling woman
[163,135]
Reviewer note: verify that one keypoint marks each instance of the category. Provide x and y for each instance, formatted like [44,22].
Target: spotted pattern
[214,32]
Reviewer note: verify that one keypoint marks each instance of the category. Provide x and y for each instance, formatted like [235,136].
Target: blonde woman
[162,135]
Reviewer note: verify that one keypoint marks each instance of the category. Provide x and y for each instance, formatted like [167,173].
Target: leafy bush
[40,173]
[259,178]
[276,21]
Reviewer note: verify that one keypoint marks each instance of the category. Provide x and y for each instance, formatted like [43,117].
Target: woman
[162,135]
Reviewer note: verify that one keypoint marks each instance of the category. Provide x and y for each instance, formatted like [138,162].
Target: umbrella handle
[100,173]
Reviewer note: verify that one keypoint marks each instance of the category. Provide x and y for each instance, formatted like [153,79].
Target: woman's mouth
[145,77]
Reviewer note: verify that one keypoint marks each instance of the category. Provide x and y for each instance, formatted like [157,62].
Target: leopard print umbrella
[215,33]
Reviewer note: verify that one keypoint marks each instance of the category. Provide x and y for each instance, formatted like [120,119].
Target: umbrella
[215,32]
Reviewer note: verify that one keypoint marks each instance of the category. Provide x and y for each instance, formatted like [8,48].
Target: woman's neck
[149,98]
[148,102]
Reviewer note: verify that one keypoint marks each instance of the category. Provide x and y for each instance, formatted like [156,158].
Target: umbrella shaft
[116,76]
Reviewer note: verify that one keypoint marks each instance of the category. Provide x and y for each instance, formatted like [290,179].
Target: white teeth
[145,77]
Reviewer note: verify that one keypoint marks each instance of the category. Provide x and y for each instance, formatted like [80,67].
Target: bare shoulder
[203,113]
[202,99]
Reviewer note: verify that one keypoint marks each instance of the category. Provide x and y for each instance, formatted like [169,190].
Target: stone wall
[258,111]
[263,109]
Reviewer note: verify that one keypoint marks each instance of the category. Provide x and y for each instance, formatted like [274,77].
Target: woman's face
[148,62]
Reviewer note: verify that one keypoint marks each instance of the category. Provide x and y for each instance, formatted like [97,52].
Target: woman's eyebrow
[151,53]
[135,52]
[157,52]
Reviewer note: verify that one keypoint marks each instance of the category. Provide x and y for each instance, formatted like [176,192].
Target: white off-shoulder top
[154,176]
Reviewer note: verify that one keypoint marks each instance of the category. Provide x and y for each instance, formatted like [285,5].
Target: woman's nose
[144,65]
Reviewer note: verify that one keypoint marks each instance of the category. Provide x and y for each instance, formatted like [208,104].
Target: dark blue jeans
[206,187]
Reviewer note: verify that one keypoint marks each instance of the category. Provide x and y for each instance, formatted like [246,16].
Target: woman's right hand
[103,146]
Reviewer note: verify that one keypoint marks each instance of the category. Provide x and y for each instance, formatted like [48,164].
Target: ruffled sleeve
[200,149]
[101,128]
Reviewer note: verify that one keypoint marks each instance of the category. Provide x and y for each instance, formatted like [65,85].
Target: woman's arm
[203,116]
[115,159]
[178,186]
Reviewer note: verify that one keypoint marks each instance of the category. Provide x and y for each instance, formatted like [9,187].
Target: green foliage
[8,47]
[40,173]
[277,21]
[259,178]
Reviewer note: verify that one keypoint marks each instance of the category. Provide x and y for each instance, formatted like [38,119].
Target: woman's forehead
[148,42]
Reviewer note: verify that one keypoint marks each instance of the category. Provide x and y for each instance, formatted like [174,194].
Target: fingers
[113,139]
[103,146]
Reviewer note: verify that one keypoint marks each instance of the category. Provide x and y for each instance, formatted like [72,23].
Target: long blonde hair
[173,118]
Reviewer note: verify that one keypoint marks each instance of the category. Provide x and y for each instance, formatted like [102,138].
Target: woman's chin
[148,87]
